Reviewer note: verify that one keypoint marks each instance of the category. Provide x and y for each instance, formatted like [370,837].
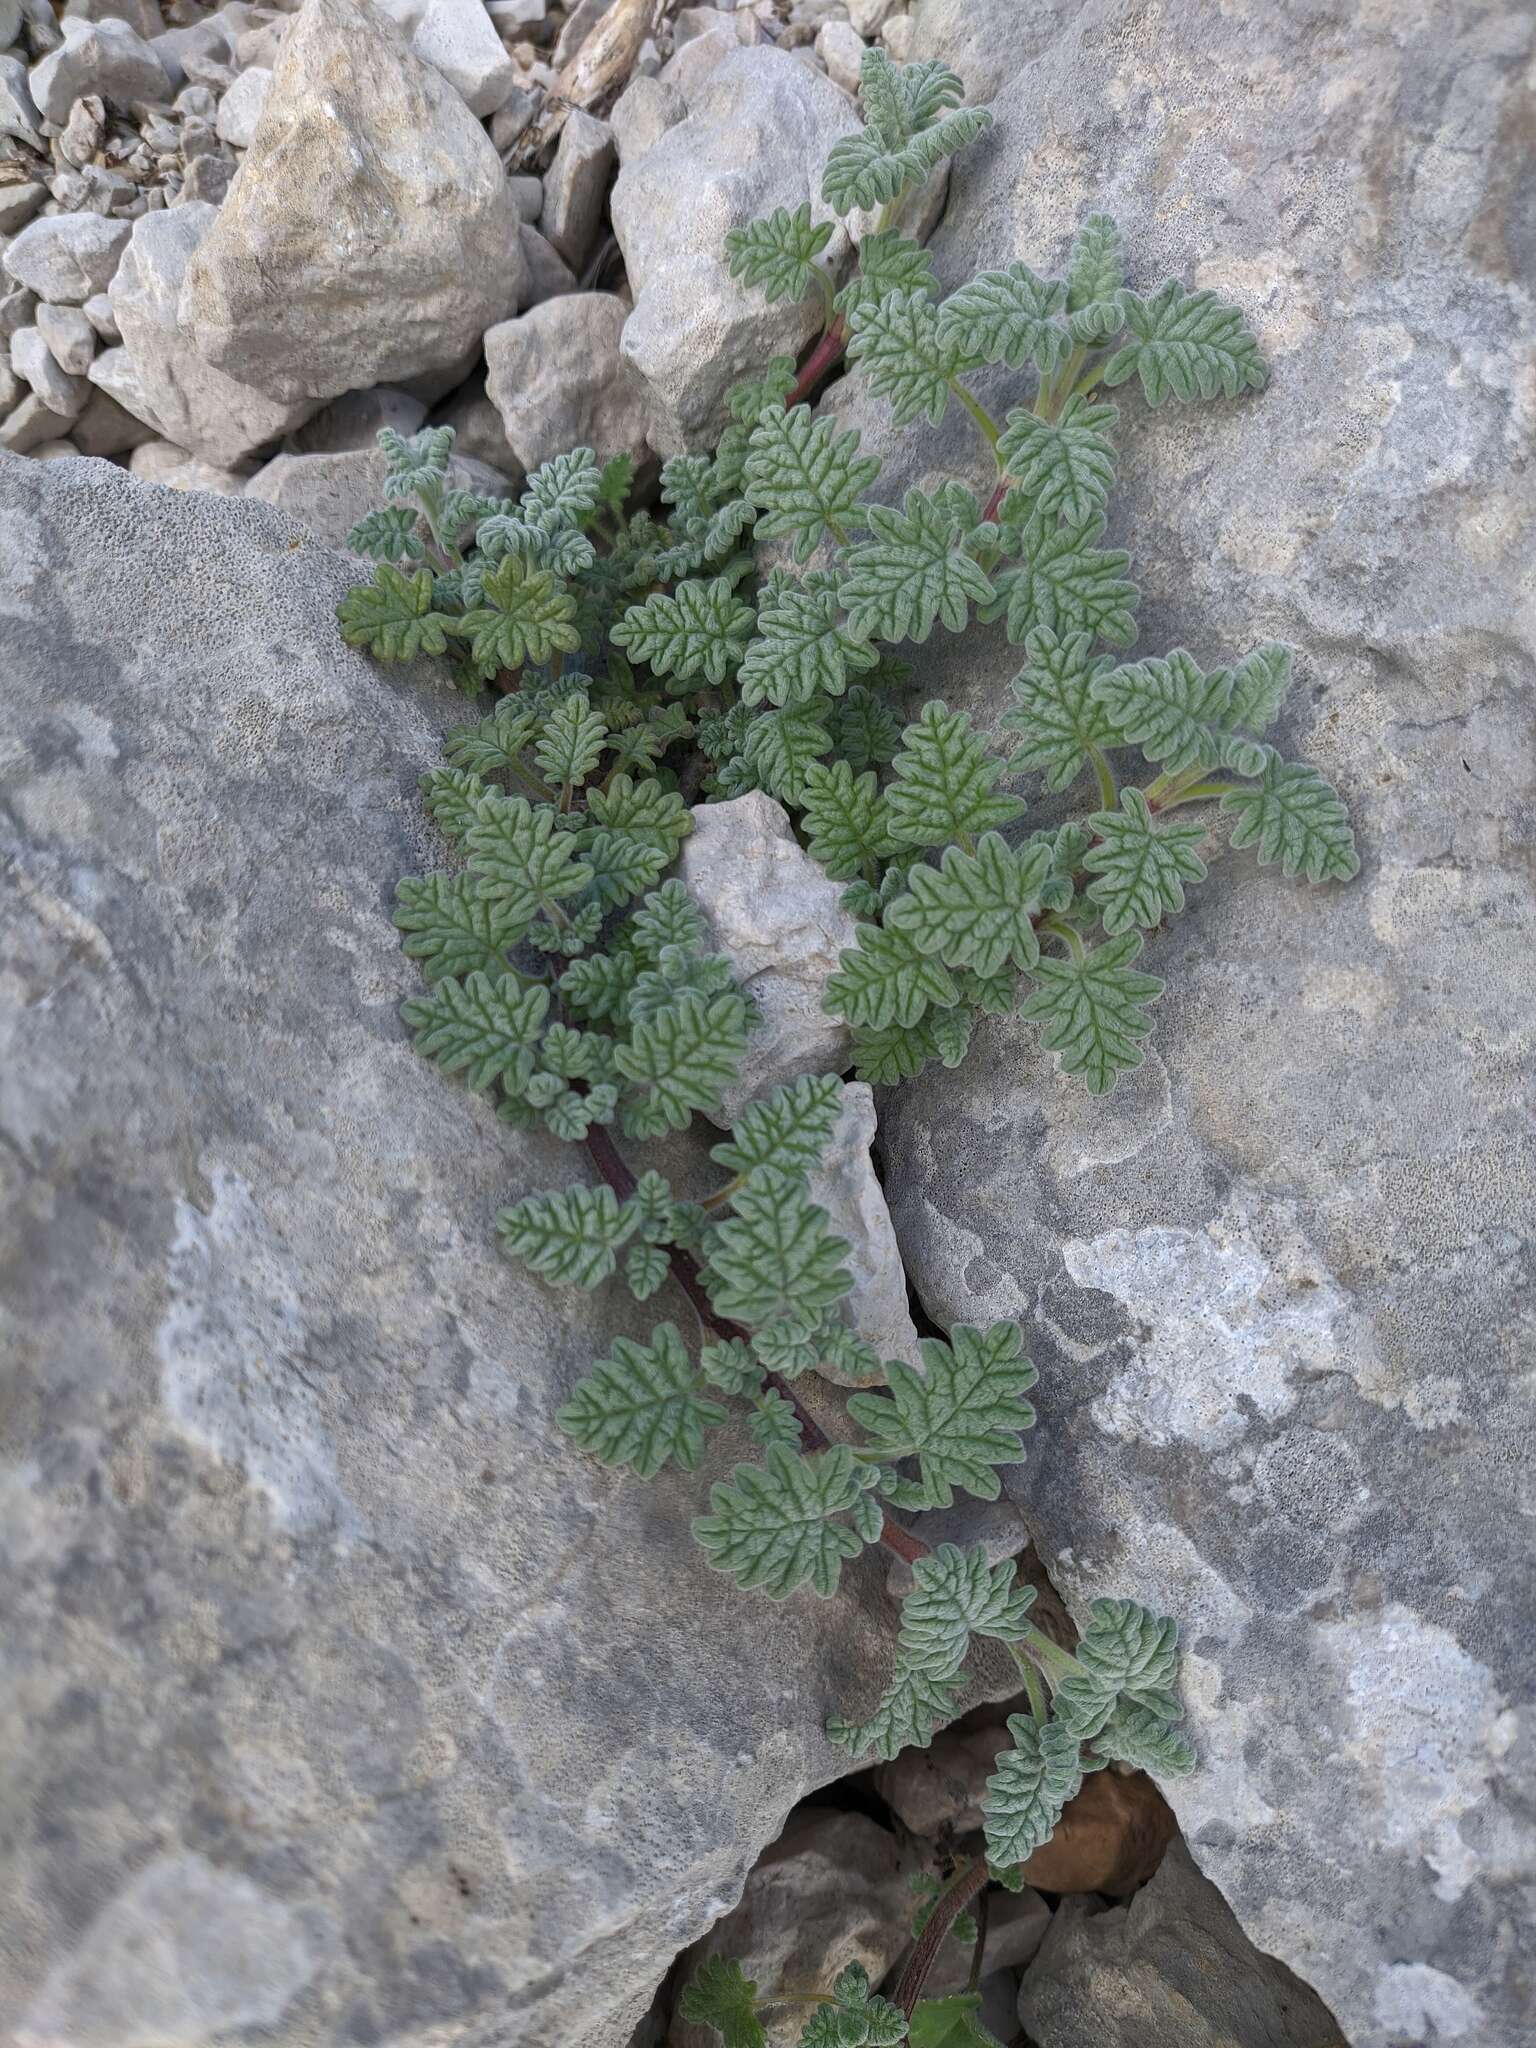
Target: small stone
[459,38]
[199,137]
[34,362]
[841,50]
[354,420]
[104,428]
[780,921]
[203,409]
[142,16]
[331,493]
[67,257]
[163,463]
[897,37]
[18,111]
[833,1890]
[548,274]
[514,14]
[10,23]
[689,69]
[240,108]
[70,337]
[1172,1967]
[692,22]
[103,57]
[31,423]
[642,114]
[198,103]
[83,132]
[870,16]
[512,117]
[479,433]
[98,310]
[846,1185]
[527,196]
[575,186]
[556,377]
[369,235]
[259,46]
[648,62]
[11,386]
[55,451]
[18,203]
[208,179]
[40,30]
[17,309]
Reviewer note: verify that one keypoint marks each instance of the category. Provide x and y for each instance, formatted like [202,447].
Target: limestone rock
[1277,1283]
[70,337]
[104,428]
[345,1697]
[755,138]
[330,493]
[780,920]
[643,113]
[848,1188]
[478,431]
[1170,1970]
[841,50]
[18,203]
[101,57]
[198,407]
[354,420]
[240,108]
[31,423]
[163,463]
[1017,1923]
[458,38]
[575,186]
[369,234]
[67,257]
[18,111]
[35,363]
[832,1890]
[548,273]
[557,379]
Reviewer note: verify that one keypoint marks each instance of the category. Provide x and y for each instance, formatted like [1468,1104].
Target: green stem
[1109,795]
[1054,1661]
[1168,790]
[536,783]
[978,412]
[1064,932]
[1199,793]
[1039,1705]
[732,1188]
[1052,398]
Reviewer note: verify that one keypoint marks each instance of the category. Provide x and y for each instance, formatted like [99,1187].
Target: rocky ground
[370,1715]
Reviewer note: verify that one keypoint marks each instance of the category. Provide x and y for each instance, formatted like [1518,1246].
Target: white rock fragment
[460,40]
[642,114]
[557,379]
[841,50]
[101,57]
[66,258]
[575,185]
[18,110]
[780,921]
[70,337]
[18,203]
[848,1188]
[240,108]
[98,310]
[870,16]
[31,423]
[161,462]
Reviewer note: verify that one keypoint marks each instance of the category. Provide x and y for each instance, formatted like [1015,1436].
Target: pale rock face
[1276,1284]
[163,463]
[18,203]
[200,408]
[780,921]
[18,110]
[66,258]
[35,363]
[833,1890]
[474,1728]
[458,38]
[575,185]
[329,494]
[102,57]
[848,1188]
[30,424]
[70,337]
[369,234]
[104,428]
[1171,1968]
[841,50]
[548,273]
[756,138]
[642,114]
[354,420]
[556,377]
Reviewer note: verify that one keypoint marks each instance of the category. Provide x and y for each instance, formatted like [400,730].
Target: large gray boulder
[369,234]
[343,1700]
[1279,1285]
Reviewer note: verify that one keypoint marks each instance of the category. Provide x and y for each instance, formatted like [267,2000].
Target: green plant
[646,660]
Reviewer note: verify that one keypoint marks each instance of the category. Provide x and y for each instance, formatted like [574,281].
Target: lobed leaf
[898,343]
[800,652]
[777,255]
[961,1417]
[393,617]
[568,1235]
[976,910]
[1296,817]
[943,787]
[452,931]
[772,1525]
[805,477]
[1007,316]
[1093,1010]
[1055,708]
[1033,1782]
[1187,346]
[912,573]
[484,1027]
[699,631]
[1066,465]
[640,1407]
[1141,865]
[776,1255]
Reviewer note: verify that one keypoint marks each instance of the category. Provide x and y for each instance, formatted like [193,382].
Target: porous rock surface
[343,1700]
[370,233]
[330,493]
[756,136]
[1279,1286]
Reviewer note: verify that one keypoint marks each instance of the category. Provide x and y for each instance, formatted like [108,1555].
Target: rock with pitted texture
[344,1699]
[369,235]
[1279,1285]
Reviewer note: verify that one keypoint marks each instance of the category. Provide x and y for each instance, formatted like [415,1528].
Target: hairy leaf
[1134,1736]
[805,477]
[699,631]
[1186,344]
[1066,465]
[776,1255]
[668,917]
[1259,687]
[1173,711]
[885,981]
[495,744]
[1066,584]
[683,1057]
[897,342]
[1095,274]
[1093,1010]
[719,1996]
[913,572]
[888,262]
[393,616]
[452,931]
[777,255]
[772,1525]
[783,746]
[526,615]
[1055,709]
[1296,817]
[788,1130]
[640,1407]
[958,1594]
[484,1027]
[572,742]
[856,2018]
[962,1417]
[519,859]
[952,2022]
[800,652]
[569,1235]
[1007,316]
[1141,866]
[911,1710]
[943,786]
[1033,1782]
[975,910]
[391,534]
[845,819]
[414,462]
[563,490]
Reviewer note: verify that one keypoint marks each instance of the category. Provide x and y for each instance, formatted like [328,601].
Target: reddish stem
[947,1909]
[685,1271]
[994,503]
[821,359]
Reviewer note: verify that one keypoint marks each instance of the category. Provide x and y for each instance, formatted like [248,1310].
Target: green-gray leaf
[1296,817]
[1093,1010]
[1141,866]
